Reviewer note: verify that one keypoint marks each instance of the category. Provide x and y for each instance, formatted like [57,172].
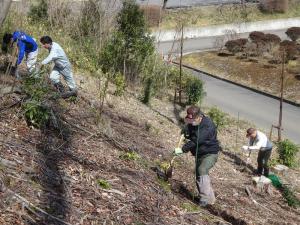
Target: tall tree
[4,7]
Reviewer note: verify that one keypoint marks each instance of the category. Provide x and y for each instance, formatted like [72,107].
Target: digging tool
[248,159]
[169,169]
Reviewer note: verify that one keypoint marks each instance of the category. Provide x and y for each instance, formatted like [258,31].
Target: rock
[280,169]
[262,184]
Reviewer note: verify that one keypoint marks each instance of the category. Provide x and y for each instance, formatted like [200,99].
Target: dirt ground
[259,75]
[52,176]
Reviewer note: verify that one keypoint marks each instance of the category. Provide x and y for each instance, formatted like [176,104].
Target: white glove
[254,148]
[245,148]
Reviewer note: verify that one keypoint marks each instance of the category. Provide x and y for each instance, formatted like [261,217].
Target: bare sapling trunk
[4,8]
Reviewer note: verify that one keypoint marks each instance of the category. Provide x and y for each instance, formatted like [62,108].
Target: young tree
[129,45]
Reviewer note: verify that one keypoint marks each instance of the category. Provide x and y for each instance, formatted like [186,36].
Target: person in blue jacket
[27,47]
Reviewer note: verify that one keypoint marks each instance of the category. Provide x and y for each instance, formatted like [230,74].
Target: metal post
[281,97]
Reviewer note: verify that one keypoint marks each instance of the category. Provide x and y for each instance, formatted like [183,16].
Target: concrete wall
[218,30]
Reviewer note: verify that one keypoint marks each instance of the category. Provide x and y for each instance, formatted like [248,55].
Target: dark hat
[250,131]
[192,113]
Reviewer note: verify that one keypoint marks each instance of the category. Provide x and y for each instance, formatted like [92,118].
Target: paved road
[256,108]
[203,43]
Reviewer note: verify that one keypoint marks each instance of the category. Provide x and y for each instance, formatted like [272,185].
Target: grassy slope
[211,15]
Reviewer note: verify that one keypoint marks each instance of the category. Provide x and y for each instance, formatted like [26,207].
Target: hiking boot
[203,203]
[60,87]
[69,94]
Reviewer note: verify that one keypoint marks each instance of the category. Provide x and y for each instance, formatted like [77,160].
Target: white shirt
[58,56]
[260,142]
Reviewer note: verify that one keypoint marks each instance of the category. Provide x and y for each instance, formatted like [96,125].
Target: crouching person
[27,47]
[62,66]
[259,141]
[203,144]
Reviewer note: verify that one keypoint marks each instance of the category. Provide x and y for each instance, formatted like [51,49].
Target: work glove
[245,148]
[185,131]
[178,151]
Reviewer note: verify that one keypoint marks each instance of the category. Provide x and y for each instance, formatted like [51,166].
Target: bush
[119,81]
[237,45]
[39,11]
[37,91]
[271,38]
[130,45]
[35,114]
[218,117]
[290,49]
[290,197]
[160,75]
[288,153]
[257,36]
[147,91]
[195,91]
[293,33]
[271,6]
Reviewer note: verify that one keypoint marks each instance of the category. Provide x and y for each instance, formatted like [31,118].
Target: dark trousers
[262,162]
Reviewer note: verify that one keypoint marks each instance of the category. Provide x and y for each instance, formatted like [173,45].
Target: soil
[52,175]
[255,73]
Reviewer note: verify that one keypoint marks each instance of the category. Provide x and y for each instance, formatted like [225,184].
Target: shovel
[169,169]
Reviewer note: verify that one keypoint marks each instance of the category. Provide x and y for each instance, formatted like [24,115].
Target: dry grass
[75,166]
[260,75]
[215,15]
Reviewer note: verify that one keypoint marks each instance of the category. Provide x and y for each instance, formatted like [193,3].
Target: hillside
[85,169]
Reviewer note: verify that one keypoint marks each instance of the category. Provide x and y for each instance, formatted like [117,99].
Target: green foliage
[288,153]
[130,45]
[119,81]
[273,162]
[36,113]
[91,15]
[218,117]
[165,185]
[147,91]
[290,197]
[103,184]
[35,87]
[156,72]
[190,207]
[39,11]
[130,156]
[195,91]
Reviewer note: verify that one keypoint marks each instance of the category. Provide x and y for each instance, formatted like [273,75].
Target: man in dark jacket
[203,144]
